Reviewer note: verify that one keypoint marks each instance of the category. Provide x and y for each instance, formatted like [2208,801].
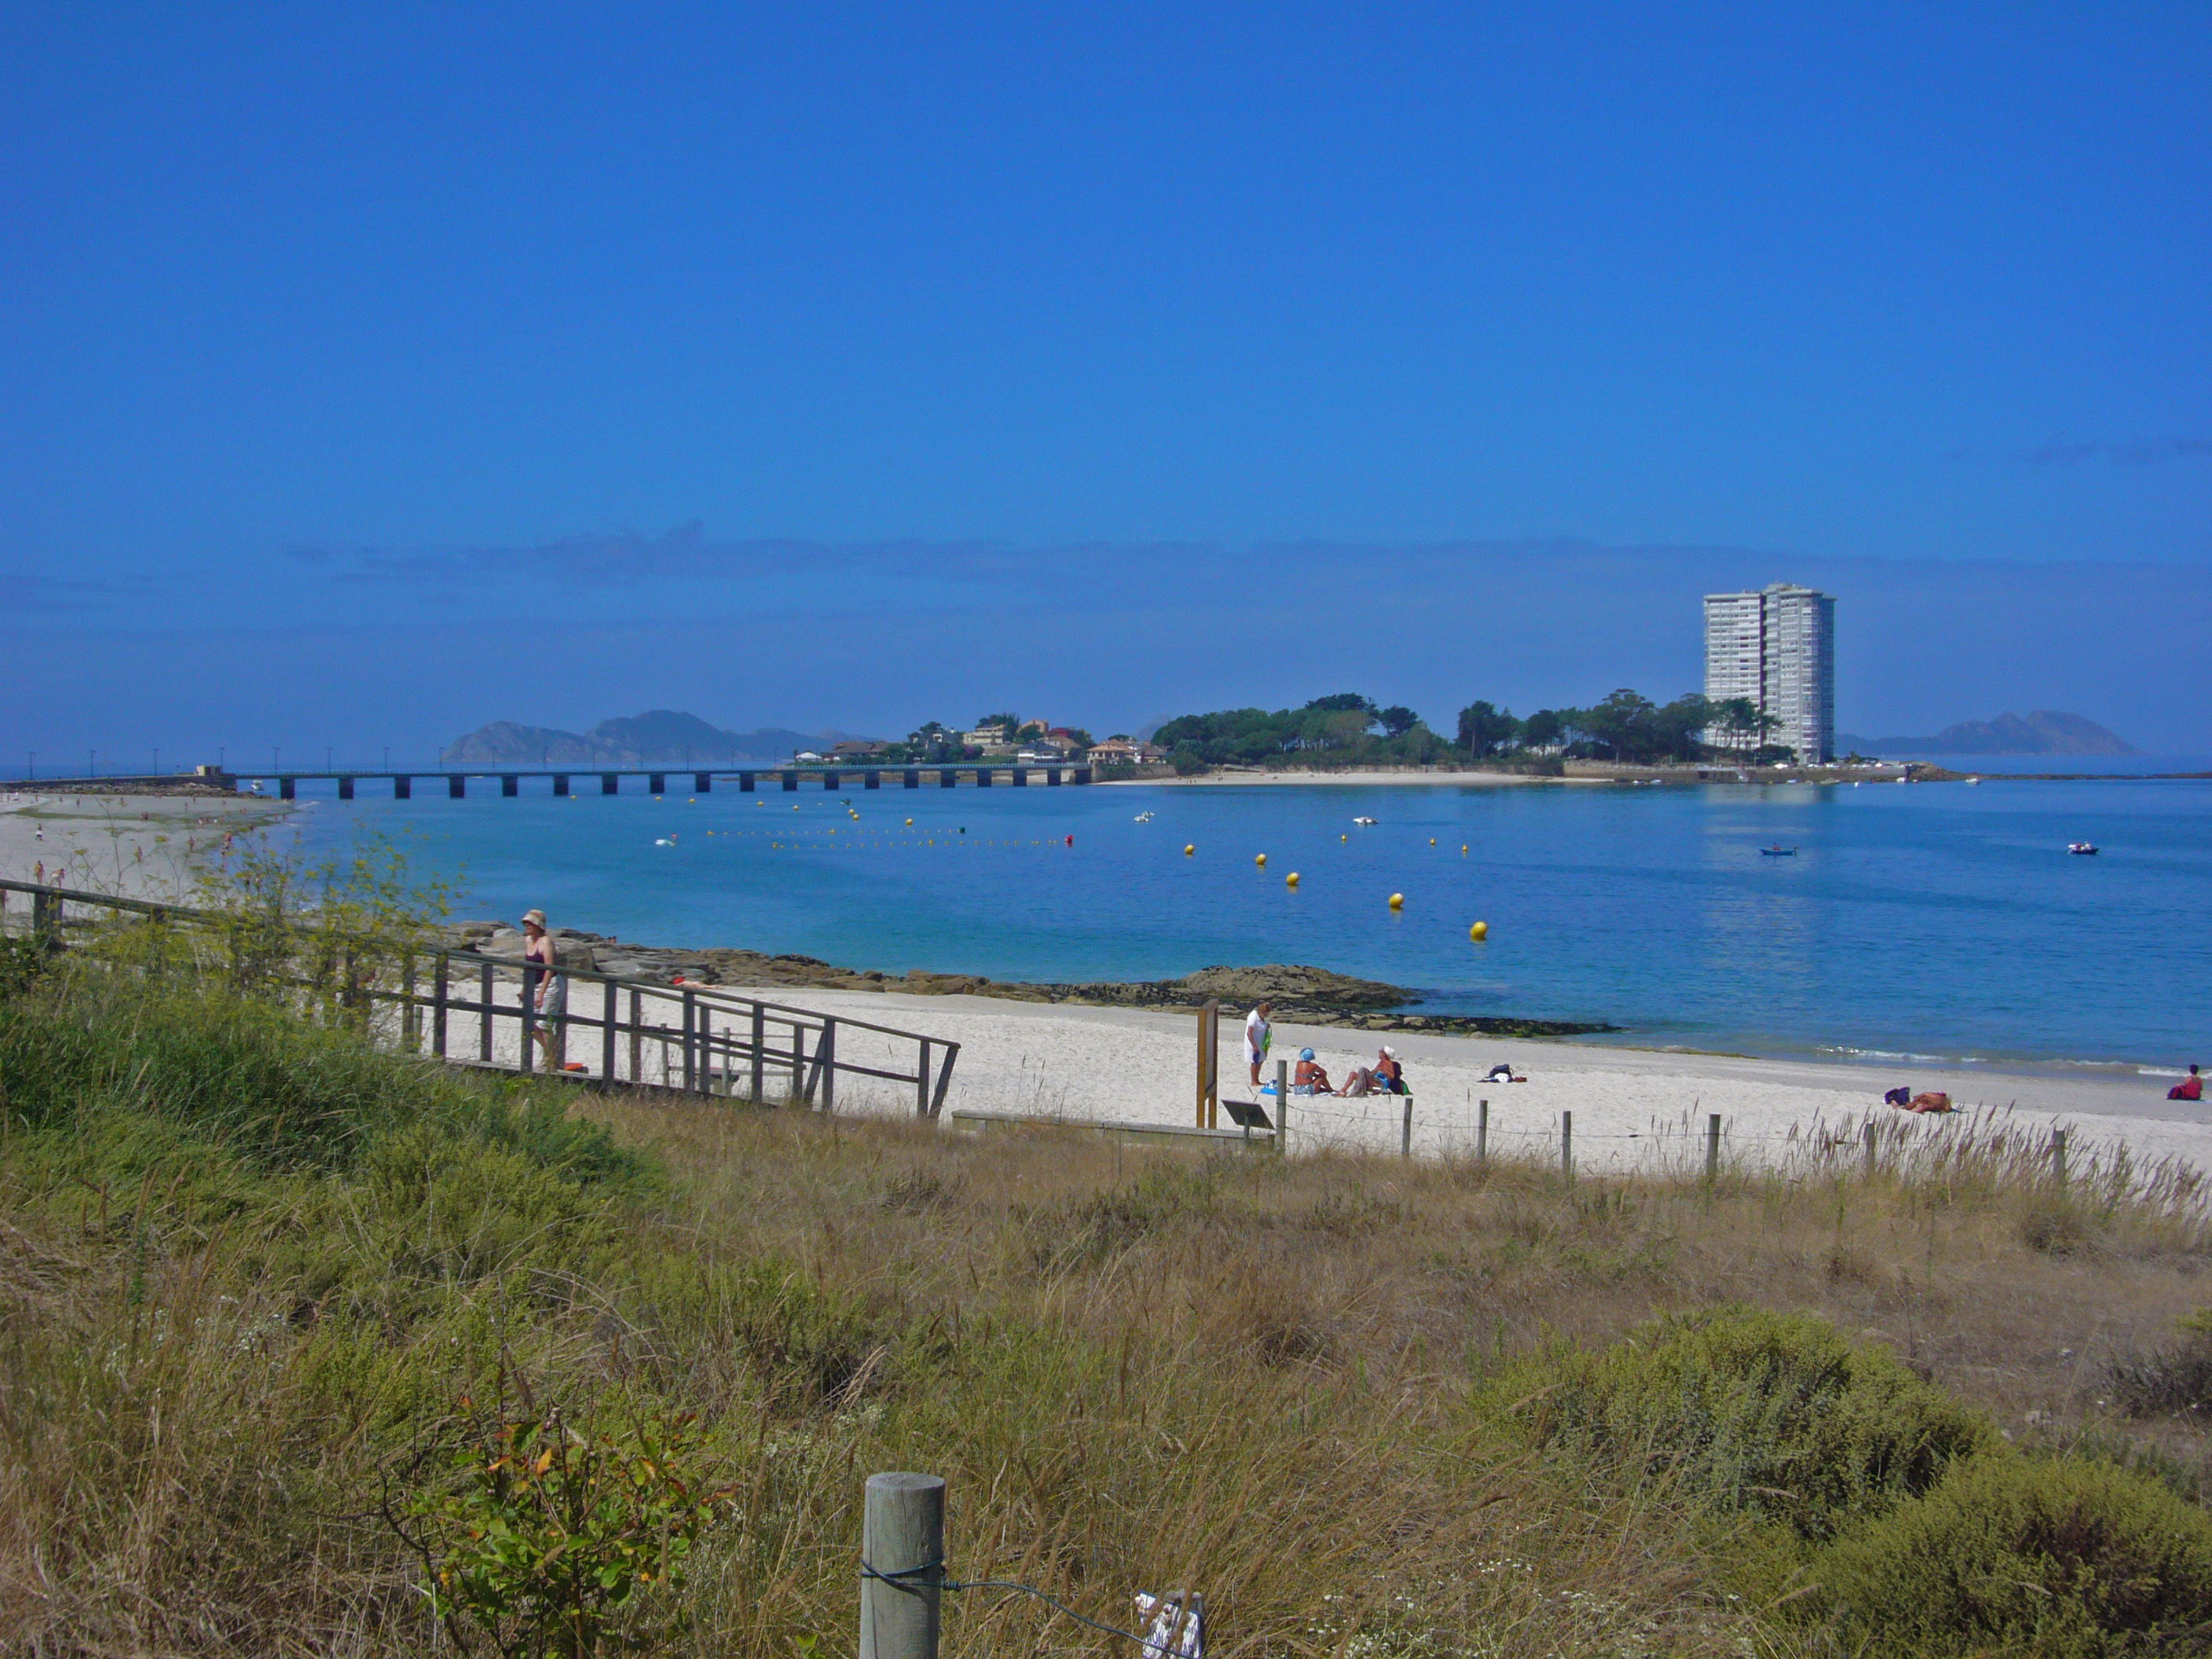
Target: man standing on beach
[1258,1035]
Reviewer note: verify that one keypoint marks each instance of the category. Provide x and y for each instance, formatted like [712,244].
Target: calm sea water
[1945,921]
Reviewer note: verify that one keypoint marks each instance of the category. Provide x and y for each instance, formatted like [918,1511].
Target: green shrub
[1774,1414]
[2063,1560]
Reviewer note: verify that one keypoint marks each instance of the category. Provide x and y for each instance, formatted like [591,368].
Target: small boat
[1778,852]
[2084,849]
[1362,820]
[1143,817]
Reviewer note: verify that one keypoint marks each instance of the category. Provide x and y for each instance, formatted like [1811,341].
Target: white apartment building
[1777,647]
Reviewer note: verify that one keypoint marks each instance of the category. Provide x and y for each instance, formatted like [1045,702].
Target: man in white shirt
[1258,1035]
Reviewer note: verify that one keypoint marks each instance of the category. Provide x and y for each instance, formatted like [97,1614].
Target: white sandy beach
[1633,1108]
[131,846]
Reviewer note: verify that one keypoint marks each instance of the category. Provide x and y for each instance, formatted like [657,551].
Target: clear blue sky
[329,328]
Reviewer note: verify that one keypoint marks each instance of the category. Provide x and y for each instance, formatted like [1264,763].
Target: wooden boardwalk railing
[468,1009]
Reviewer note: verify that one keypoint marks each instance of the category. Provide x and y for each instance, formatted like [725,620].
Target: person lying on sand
[1502,1072]
[1935,1100]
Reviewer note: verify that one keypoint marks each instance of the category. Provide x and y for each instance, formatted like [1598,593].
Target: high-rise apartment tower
[1777,648]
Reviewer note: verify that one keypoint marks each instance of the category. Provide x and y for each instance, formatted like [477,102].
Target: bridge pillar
[1052,775]
[871,779]
[791,779]
[947,778]
[828,780]
[457,787]
[510,785]
[913,777]
[345,788]
[656,783]
[982,777]
[560,783]
[702,783]
[402,787]
[1082,774]
[1021,777]
[746,781]
[610,783]
[288,788]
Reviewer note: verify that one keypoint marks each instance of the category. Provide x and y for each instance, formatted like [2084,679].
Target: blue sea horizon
[1934,921]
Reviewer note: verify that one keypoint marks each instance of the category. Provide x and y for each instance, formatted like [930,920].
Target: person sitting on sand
[1385,1077]
[1310,1079]
[2190,1088]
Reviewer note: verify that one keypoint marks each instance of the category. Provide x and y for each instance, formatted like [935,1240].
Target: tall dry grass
[1137,1370]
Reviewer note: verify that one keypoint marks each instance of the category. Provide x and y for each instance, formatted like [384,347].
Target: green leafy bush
[1777,1414]
[2063,1560]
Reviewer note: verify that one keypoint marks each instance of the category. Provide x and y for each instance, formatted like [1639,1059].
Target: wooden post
[921,1083]
[798,1062]
[439,996]
[1282,1105]
[530,973]
[2058,1158]
[483,1018]
[609,1017]
[1209,1065]
[1712,1148]
[825,1060]
[1406,1131]
[690,1052]
[1868,1135]
[637,1037]
[410,1010]
[1567,1147]
[944,1080]
[706,1044]
[1482,1132]
[760,1056]
[902,1545]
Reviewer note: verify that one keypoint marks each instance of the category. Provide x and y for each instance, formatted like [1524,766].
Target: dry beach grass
[248,1268]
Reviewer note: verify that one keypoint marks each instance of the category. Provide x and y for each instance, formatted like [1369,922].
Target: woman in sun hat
[551,1000]
[1310,1079]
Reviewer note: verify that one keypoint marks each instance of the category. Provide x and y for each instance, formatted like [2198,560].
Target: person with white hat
[1385,1077]
[551,999]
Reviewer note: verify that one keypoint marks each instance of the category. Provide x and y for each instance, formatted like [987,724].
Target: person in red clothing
[2190,1088]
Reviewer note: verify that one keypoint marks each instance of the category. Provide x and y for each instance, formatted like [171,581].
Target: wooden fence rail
[468,1009]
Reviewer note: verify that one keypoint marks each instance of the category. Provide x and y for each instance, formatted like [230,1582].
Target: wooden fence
[468,1009]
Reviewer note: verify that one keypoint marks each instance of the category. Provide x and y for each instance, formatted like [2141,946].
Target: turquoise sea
[1945,921]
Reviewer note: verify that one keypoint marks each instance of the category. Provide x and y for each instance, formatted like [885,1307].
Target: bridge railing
[465,1008]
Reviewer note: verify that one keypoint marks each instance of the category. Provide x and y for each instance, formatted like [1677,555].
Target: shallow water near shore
[1941,921]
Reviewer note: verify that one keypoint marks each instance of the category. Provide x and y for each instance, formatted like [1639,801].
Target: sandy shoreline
[132,845]
[1633,1108]
[1430,779]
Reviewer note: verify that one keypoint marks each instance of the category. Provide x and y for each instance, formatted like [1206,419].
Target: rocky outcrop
[1309,996]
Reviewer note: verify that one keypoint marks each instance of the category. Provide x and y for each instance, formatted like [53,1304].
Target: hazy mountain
[660,735]
[2043,732]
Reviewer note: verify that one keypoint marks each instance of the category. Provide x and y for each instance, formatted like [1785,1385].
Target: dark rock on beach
[1304,995]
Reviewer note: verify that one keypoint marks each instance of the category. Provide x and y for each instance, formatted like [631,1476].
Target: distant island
[2043,732]
[658,736]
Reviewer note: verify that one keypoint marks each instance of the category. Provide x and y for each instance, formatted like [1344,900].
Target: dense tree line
[1343,729]
[1626,726]
[1350,730]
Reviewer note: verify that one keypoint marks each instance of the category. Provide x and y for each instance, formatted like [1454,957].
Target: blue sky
[370,371]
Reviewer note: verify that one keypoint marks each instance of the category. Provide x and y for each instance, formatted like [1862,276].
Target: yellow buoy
[1261,860]
[910,824]
[1290,880]
[1479,932]
[1397,901]
[693,801]
[1432,840]
[1188,847]
[1463,849]
[1344,838]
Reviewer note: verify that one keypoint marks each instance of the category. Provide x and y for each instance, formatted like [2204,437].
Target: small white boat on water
[2084,849]
[1143,817]
[1362,820]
